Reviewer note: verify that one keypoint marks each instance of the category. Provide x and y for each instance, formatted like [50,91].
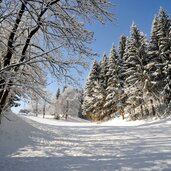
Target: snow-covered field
[35,144]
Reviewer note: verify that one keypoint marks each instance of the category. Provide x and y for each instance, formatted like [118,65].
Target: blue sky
[126,11]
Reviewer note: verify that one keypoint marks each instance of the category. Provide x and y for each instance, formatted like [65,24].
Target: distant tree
[44,108]
[68,103]
[58,93]
[80,114]
[65,86]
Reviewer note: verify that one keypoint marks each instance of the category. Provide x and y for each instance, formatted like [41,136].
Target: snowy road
[26,145]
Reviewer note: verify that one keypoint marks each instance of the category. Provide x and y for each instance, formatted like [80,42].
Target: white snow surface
[30,143]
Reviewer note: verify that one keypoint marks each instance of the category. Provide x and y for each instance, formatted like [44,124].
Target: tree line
[134,79]
[64,104]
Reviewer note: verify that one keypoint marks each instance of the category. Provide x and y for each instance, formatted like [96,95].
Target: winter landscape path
[30,144]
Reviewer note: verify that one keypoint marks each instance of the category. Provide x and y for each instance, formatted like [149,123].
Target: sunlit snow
[33,144]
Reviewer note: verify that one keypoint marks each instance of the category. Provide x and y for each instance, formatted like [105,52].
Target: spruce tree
[112,83]
[135,77]
[135,55]
[164,52]
[103,70]
[122,46]
[163,35]
[167,87]
[153,46]
[136,58]
[114,88]
[122,65]
[58,93]
[100,90]
[89,92]
[154,82]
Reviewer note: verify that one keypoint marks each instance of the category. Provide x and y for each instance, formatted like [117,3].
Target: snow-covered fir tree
[136,79]
[153,51]
[135,55]
[167,88]
[89,92]
[136,61]
[163,35]
[121,51]
[153,46]
[122,46]
[165,51]
[100,90]
[112,83]
[154,82]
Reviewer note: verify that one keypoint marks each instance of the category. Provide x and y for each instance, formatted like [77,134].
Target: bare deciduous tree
[42,37]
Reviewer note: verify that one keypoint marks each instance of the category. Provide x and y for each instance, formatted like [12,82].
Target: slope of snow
[75,121]
[29,144]
[71,121]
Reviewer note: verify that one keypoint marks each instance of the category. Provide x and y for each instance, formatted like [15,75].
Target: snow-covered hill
[33,144]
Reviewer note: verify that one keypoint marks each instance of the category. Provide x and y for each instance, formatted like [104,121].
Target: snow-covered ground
[36,144]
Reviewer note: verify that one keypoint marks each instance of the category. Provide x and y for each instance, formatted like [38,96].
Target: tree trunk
[36,109]
[3,100]
[152,108]
[142,111]
[122,113]
[44,109]
[7,59]
[0,115]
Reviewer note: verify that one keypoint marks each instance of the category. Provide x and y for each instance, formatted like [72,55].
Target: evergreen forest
[134,80]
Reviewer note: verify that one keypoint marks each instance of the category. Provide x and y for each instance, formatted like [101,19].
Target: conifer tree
[167,88]
[153,46]
[122,65]
[103,70]
[136,61]
[122,46]
[136,77]
[159,47]
[164,52]
[58,93]
[112,83]
[89,92]
[100,90]
[163,35]
[154,82]
[136,55]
